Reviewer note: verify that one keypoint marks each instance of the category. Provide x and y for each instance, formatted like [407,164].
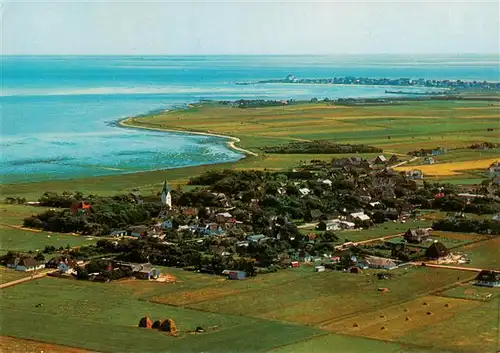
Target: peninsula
[403,82]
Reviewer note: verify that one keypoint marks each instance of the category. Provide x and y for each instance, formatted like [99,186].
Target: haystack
[429,313]
[157,324]
[169,326]
[407,318]
[382,328]
[446,305]
[146,322]
[355,325]
[383,290]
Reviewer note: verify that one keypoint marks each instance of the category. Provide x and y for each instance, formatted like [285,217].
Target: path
[338,247]
[404,162]
[460,268]
[29,278]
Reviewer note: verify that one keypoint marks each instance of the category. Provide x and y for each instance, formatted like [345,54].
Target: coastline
[128,123]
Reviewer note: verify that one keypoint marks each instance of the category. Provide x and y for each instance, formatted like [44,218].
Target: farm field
[114,310]
[471,292]
[8,275]
[17,345]
[382,230]
[483,254]
[353,344]
[15,214]
[450,168]
[411,125]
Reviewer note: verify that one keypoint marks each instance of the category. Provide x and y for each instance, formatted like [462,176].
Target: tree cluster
[320,147]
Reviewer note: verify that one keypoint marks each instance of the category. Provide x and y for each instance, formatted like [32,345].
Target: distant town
[405,82]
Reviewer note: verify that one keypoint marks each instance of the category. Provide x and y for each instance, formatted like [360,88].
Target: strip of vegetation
[319,147]
[490,227]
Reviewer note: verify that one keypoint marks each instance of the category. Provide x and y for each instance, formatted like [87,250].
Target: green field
[246,311]
[483,254]
[90,309]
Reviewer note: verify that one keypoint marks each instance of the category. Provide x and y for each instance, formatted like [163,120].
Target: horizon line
[254,54]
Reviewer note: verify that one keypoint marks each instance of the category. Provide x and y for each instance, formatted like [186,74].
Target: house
[136,195]
[394,159]
[68,267]
[346,225]
[380,262]
[327,182]
[496,217]
[360,216]
[416,235]
[304,191]
[281,191]
[190,211]
[329,225]
[436,251]
[429,160]
[235,275]
[81,207]
[487,278]
[415,174]
[255,238]
[439,151]
[319,269]
[145,271]
[25,264]
[167,224]
[118,233]
[380,160]
[138,231]
[295,264]
[494,169]
[455,215]
[56,260]
[223,217]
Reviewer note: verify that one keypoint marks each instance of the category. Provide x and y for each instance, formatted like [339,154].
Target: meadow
[248,312]
[15,238]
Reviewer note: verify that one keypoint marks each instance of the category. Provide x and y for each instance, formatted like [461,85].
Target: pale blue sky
[237,27]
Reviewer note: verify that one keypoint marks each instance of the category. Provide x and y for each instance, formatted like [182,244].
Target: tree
[39,257]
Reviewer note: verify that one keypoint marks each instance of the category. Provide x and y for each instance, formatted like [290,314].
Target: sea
[59,113]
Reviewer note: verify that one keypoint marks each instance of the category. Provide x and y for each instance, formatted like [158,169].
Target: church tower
[166,197]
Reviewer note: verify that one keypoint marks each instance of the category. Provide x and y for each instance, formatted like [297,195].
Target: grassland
[484,254]
[411,125]
[15,238]
[8,275]
[304,302]
[17,345]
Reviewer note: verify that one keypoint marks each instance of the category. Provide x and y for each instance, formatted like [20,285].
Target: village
[241,224]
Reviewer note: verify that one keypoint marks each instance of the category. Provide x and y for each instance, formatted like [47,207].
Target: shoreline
[127,123]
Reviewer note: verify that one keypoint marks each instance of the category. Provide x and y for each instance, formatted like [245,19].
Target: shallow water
[57,111]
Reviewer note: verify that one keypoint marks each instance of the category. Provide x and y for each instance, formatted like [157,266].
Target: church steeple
[166,198]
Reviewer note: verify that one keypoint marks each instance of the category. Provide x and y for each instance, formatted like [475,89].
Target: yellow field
[453,168]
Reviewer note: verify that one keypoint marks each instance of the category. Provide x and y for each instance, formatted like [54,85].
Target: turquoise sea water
[57,111]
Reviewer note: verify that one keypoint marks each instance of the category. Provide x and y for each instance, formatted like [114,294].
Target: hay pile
[169,326]
[157,324]
[146,322]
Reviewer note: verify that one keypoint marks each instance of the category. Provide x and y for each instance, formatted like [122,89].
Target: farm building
[494,168]
[436,251]
[138,231]
[25,264]
[319,269]
[329,225]
[394,159]
[380,160]
[380,262]
[415,174]
[361,216]
[235,275]
[429,160]
[223,217]
[417,235]
[256,237]
[295,264]
[145,271]
[488,279]
[118,233]
[81,207]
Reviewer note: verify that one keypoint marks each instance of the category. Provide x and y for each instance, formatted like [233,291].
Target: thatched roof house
[436,251]
[488,278]
[416,235]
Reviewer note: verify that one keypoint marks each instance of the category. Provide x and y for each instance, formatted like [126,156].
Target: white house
[429,160]
[118,233]
[360,216]
[327,182]
[25,264]
[304,191]
[415,174]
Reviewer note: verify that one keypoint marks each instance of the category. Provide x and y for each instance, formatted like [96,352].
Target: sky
[249,27]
